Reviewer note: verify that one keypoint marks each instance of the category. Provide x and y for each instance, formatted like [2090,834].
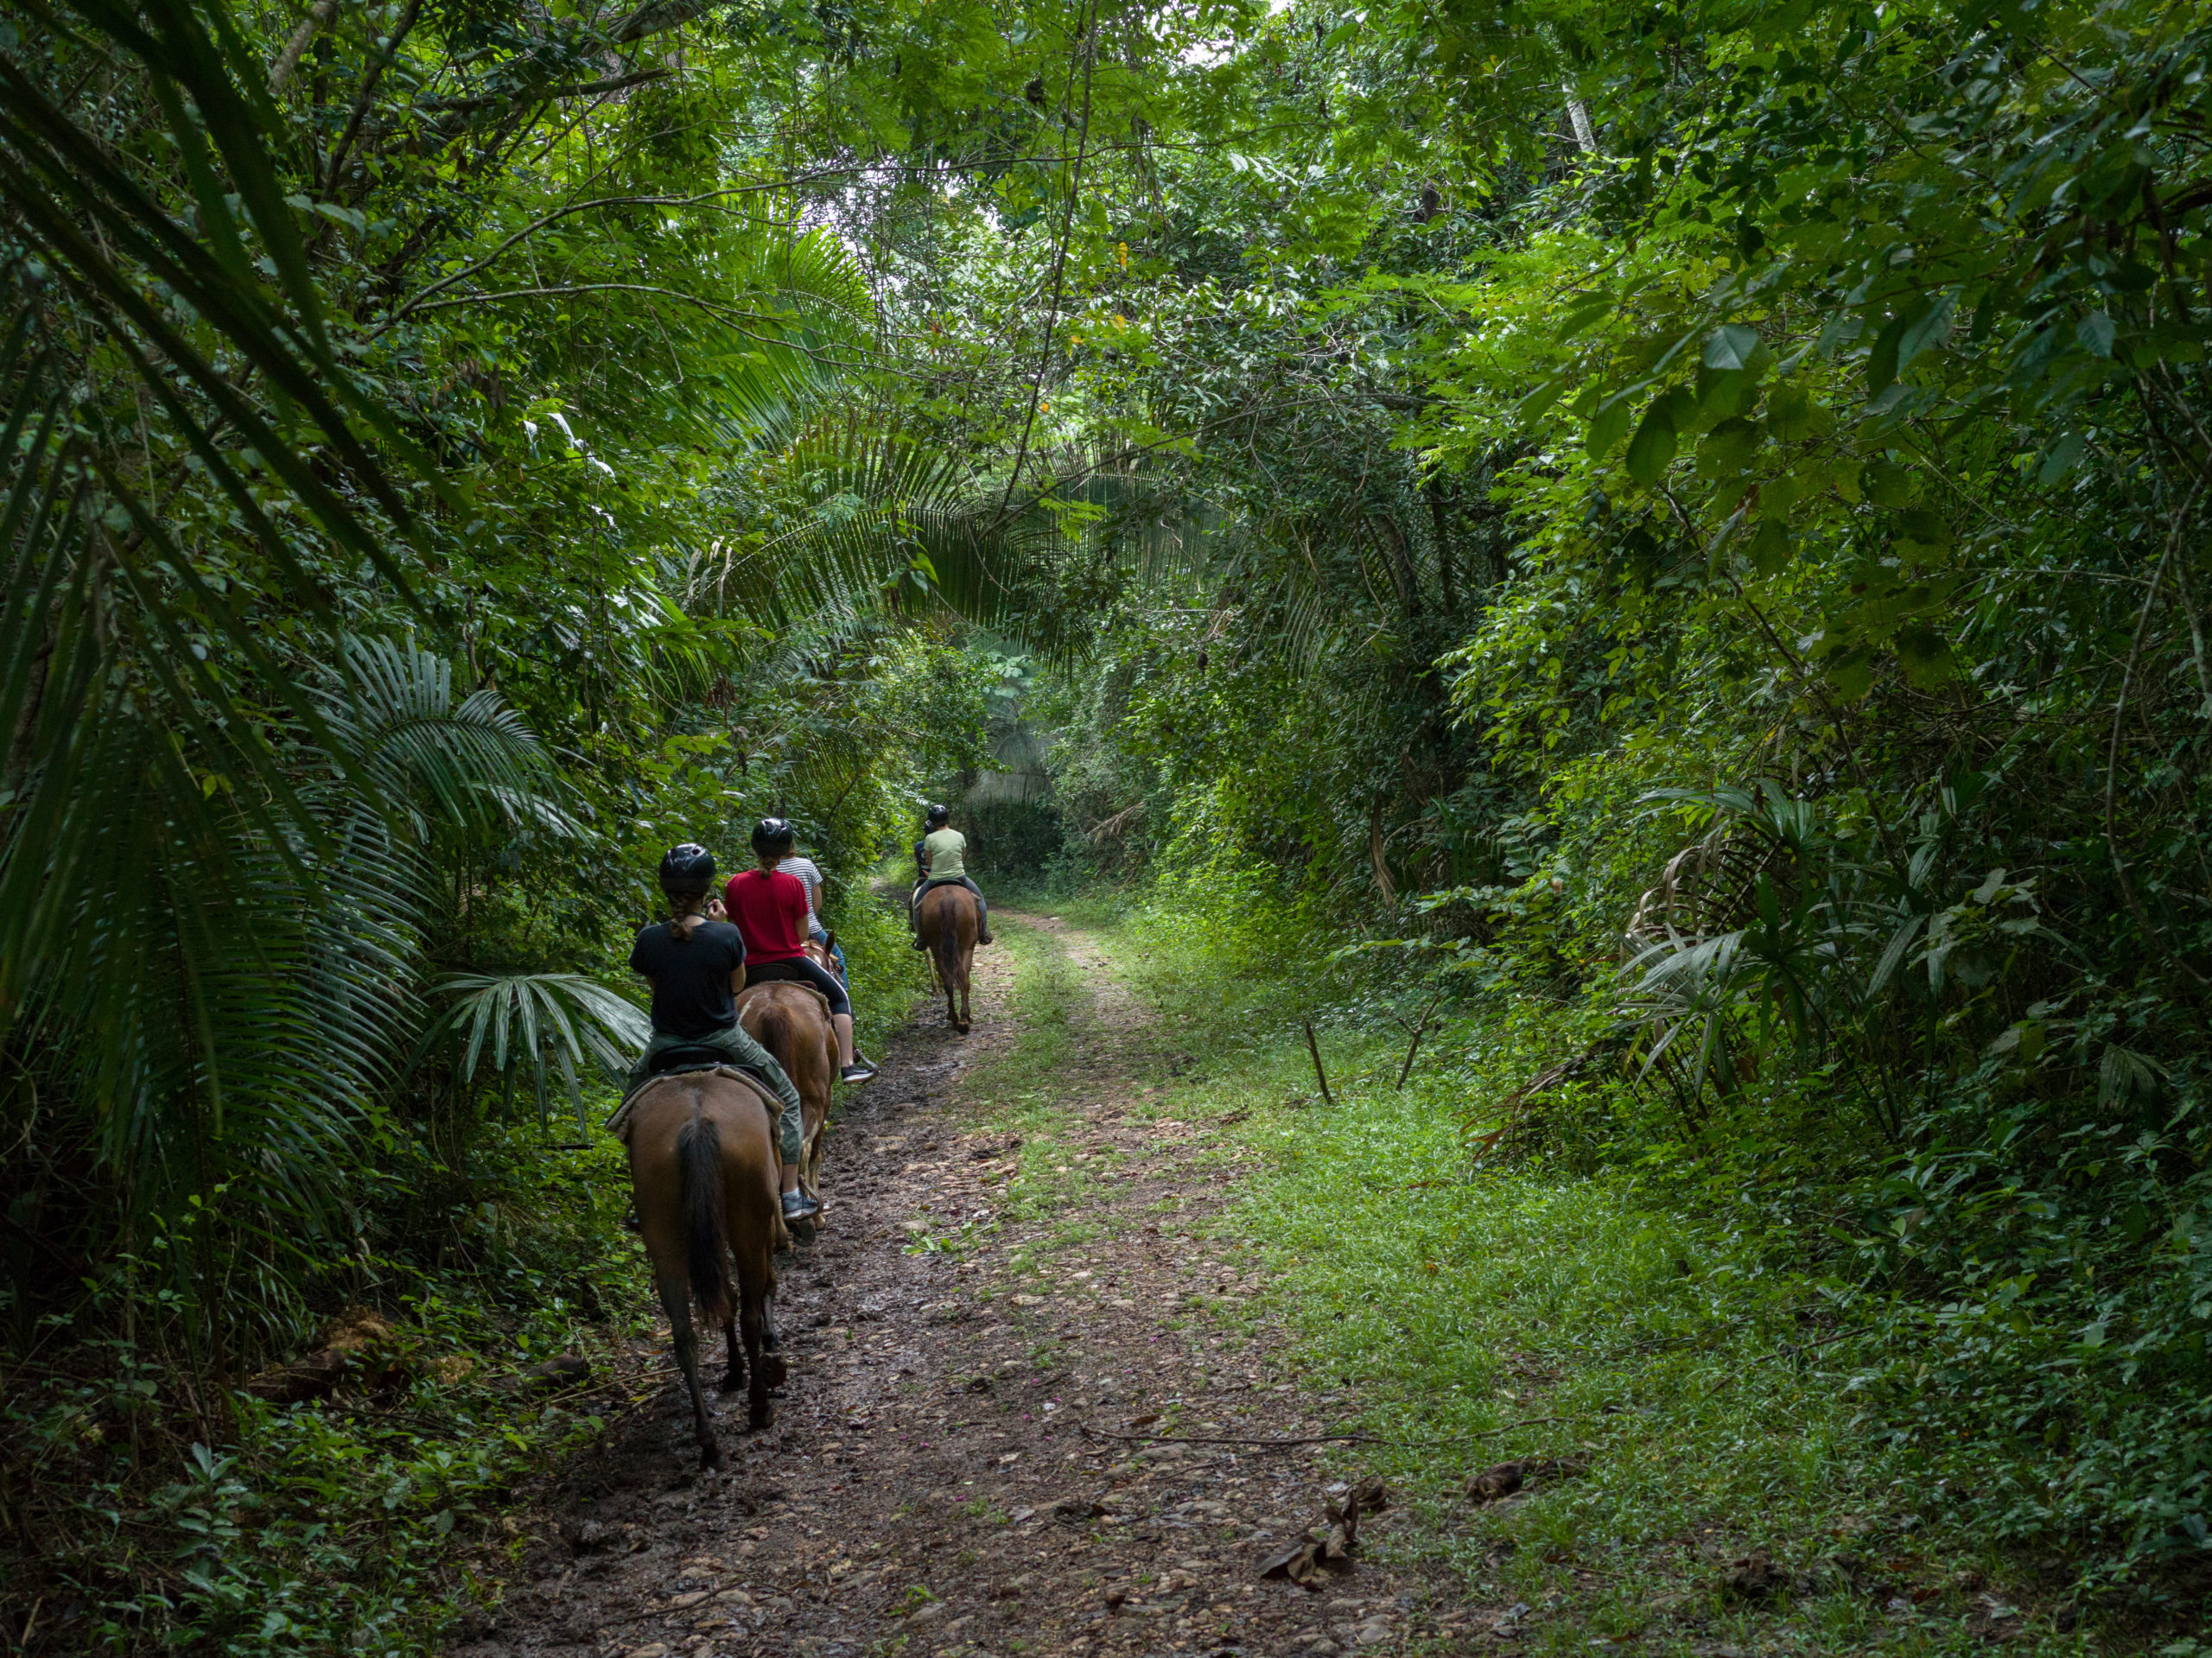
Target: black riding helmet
[938,816]
[687,871]
[772,837]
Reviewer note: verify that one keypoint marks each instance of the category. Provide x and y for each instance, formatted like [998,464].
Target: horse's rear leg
[767,1369]
[734,1372]
[675,1300]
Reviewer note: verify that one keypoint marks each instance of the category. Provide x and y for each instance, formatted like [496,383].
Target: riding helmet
[773,835]
[687,869]
[939,817]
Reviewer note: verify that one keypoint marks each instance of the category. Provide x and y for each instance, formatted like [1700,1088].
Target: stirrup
[797,1206]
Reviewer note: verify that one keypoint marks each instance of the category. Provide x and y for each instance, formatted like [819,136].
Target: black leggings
[805,972]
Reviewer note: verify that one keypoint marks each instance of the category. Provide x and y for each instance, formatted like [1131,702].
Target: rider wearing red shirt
[770,909]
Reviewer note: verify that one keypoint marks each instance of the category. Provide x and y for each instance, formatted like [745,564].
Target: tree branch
[593,89]
[302,37]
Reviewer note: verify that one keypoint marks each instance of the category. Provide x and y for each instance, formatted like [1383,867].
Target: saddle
[689,1055]
[688,1060]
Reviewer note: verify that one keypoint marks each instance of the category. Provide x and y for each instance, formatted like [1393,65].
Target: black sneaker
[859,1072]
[631,1220]
[982,939]
[797,1206]
[918,944]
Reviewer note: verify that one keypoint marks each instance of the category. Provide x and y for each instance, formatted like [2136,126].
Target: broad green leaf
[1607,425]
[1730,448]
[1886,484]
[1924,528]
[1731,345]
[1925,656]
[1770,547]
[2059,459]
[1651,451]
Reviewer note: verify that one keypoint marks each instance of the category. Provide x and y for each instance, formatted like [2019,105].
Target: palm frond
[530,1018]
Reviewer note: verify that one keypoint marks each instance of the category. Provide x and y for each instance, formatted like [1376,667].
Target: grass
[1522,1313]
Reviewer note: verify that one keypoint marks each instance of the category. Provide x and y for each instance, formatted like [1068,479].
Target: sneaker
[982,939]
[856,1073]
[632,1222]
[797,1206]
[918,944]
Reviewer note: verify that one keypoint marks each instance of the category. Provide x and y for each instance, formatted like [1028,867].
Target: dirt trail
[928,1487]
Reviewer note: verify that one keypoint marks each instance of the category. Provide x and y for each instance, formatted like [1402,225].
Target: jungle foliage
[1680,528]
[1701,556]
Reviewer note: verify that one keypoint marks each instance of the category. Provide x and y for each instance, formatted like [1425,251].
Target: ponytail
[689,917]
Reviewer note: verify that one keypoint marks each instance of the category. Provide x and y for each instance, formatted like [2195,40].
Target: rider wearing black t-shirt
[696,963]
[691,977]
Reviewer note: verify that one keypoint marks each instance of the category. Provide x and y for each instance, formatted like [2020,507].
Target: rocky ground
[960,1462]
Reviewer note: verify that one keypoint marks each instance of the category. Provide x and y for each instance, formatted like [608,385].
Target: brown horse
[702,1167]
[820,953]
[792,1022]
[949,926]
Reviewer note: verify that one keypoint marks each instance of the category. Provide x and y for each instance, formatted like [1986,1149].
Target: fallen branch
[1317,1439]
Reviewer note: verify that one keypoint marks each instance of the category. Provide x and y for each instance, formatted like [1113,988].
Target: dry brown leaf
[1501,1480]
[1504,1478]
[1753,1576]
[1299,1563]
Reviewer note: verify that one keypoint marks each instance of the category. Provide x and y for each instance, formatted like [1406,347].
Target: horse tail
[775,1035]
[948,946]
[699,1171]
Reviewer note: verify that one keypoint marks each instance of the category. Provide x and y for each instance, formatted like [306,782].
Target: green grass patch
[1523,1311]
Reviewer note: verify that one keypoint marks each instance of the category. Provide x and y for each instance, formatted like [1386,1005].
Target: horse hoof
[732,1380]
[760,1417]
[773,1371]
[710,1458]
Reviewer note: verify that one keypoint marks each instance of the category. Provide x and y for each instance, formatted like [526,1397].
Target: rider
[810,876]
[940,861]
[695,964]
[770,909]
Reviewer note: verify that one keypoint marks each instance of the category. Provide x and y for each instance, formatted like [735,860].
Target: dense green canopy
[1684,525]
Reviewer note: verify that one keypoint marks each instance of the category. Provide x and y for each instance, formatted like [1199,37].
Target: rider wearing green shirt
[940,859]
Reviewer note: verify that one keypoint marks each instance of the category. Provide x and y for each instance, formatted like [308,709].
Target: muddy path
[935,1482]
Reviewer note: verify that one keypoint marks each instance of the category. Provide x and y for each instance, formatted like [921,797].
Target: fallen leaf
[1753,1576]
[1297,1563]
[1502,1480]
[1507,1477]
[1136,1422]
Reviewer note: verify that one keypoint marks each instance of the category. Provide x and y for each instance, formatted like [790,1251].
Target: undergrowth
[143,1513]
[1711,1383]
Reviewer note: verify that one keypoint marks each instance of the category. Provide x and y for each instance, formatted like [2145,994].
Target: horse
[791,1021]
[702,1168]
[950,922]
